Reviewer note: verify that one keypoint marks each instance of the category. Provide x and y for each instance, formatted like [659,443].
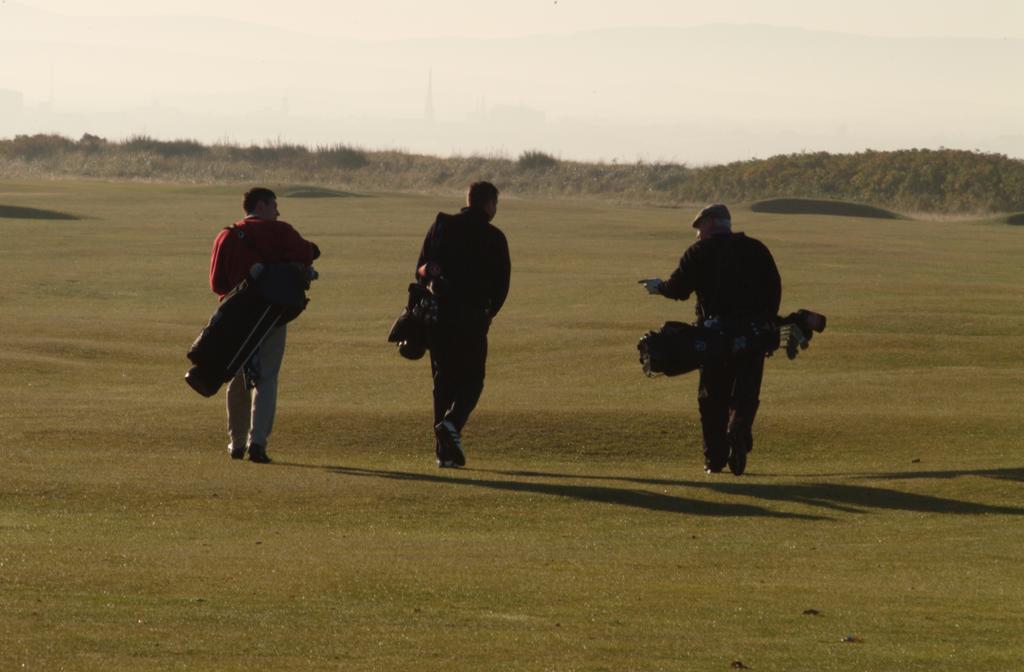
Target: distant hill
[913,180]
[814,206]
[945,180]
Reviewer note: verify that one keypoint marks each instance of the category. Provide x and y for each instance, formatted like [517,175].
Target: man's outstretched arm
[680,284]
[652,285]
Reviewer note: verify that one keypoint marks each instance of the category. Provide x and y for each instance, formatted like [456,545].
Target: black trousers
[458,362]
[728,396]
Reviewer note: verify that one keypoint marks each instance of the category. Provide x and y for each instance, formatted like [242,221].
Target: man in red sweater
[259,238]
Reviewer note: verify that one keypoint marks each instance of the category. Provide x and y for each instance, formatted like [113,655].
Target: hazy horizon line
[541,34]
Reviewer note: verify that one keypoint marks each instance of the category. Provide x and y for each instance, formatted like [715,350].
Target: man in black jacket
[465,259]
[736,281]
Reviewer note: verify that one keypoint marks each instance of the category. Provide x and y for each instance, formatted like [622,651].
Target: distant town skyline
[701,94]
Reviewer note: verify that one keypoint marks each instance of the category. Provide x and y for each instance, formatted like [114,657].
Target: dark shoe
[450,452]
[737,461]
[443,462]
[713,466]
[740,443]
[236,453]
[258,454]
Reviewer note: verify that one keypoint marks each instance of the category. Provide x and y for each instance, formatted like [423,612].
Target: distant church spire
[428,110]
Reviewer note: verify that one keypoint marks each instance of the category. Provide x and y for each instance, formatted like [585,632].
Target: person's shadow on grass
[621,496]
[1007,474]
[834,496]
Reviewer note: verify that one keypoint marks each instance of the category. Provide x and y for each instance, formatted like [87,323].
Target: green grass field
[884,492]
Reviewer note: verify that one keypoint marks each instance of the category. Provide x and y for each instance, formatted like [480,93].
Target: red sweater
[276,242]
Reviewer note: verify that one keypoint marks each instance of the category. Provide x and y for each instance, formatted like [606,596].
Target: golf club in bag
[271,295]
[410,329]
[679,348]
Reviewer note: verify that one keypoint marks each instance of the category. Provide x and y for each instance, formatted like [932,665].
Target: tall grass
[915,180]
[536,160]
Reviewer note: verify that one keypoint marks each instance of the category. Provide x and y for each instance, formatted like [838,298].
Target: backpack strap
[237,231]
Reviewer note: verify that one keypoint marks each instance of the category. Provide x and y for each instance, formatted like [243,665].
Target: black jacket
[731,274]
[474,260]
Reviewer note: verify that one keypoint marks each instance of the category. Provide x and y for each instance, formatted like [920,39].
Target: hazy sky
[695,82]
[397,19]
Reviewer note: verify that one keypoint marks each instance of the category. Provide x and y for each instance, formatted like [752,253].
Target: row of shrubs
[50,146]
[914,180]
[40,146]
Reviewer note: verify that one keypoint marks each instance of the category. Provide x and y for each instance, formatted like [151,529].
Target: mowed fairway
[885,492]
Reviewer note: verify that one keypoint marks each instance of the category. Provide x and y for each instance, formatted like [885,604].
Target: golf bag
[410,329]
[270,296]
[679,348]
